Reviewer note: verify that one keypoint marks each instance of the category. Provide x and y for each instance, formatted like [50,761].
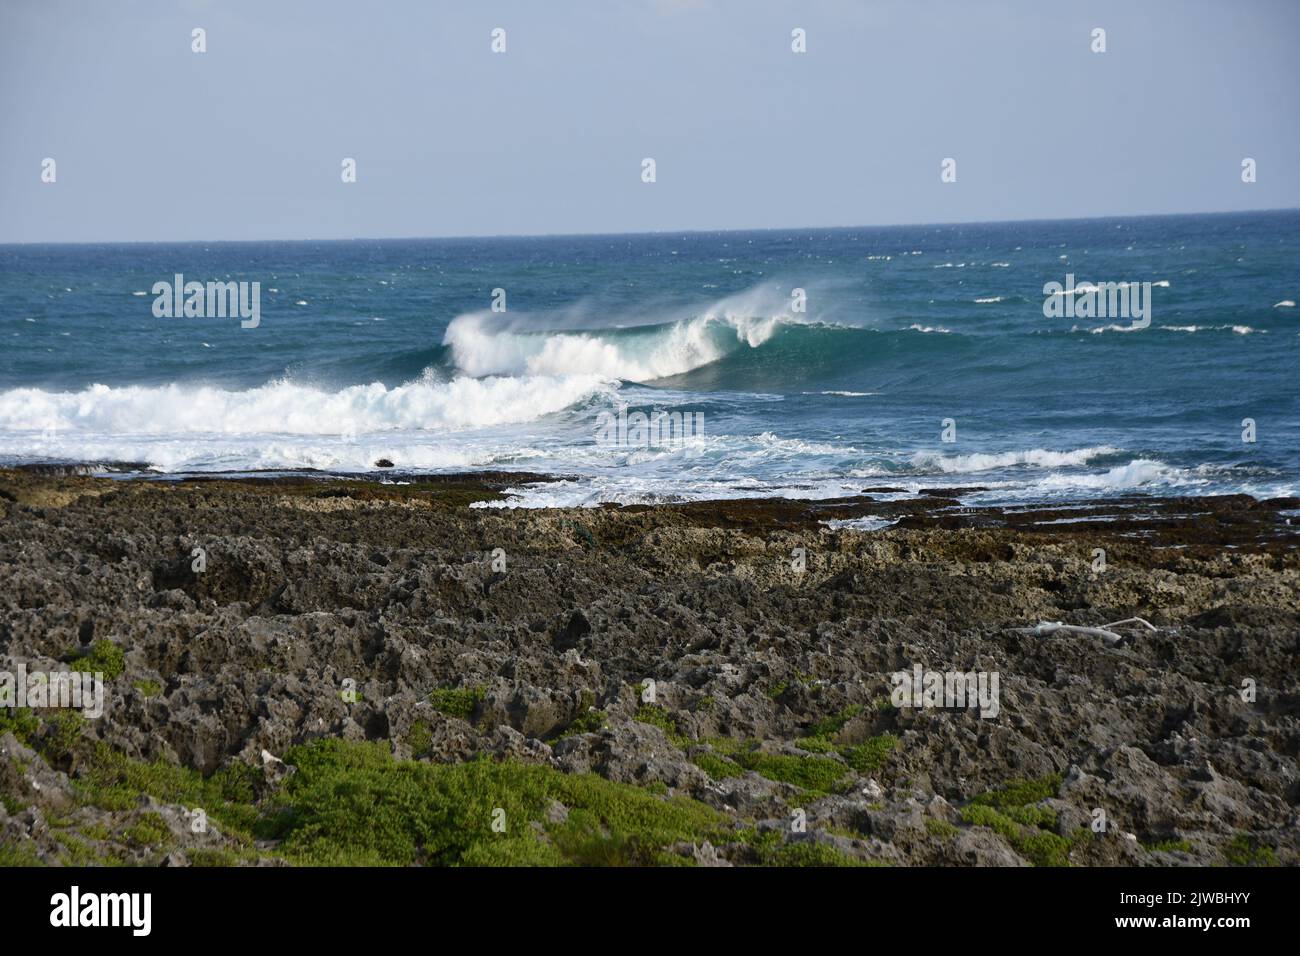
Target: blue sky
[245,141]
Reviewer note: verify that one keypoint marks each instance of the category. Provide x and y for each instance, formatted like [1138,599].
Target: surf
[290,408]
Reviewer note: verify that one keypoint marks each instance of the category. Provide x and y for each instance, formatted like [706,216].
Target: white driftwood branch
[1044,628]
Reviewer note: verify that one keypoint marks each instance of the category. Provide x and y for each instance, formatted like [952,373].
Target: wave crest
[1037,457]
[289,408]
[485,343]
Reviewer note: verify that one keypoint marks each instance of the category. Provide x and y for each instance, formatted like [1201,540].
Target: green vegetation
[864,758]
[587,722]
[1246,851]
[656,716]
[150,830]
[717,767]
[817,775]
[1031,816]
[871,755]
[457,701]
[213,856]
[20,722]
[96,831]
[1041,847]
[811,854]
[353,804]
[78,852]
[1010,811]
[419,738]
[18,854]
[815,745]
[63,730]
[1169,846]
[1019,792]
[104,658]
[830,726]
[940,828]
[112,781]
[589,719]
[772,850]
[150,688]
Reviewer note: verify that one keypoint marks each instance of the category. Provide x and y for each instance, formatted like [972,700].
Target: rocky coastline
[327,670]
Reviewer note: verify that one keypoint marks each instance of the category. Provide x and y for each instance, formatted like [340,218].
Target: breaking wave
[1036,457]
[288,408]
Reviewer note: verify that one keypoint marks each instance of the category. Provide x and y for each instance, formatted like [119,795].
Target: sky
[154,142]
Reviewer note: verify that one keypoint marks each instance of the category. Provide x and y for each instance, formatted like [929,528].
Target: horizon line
[651,232]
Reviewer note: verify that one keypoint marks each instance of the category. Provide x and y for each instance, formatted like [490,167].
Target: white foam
[1238,329]
[770,443]
[1135,327]
[287,408]
[1139,472]
[484,343]
[1036,457]
[868,523]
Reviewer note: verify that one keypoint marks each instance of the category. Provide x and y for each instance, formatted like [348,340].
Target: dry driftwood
[1044,628]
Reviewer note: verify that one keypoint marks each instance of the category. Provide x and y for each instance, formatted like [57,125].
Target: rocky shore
[332,671]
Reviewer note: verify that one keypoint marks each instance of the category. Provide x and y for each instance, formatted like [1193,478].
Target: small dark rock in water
[383,463]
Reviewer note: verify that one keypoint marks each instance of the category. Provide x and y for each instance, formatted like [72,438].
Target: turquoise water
[390,349]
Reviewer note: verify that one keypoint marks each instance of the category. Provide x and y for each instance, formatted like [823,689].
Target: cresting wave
[492,373]
[289,408]
[482,343]
[1037,457]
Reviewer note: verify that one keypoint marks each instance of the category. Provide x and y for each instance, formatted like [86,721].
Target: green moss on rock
[1244,850]
[104,658]
[1021,791]
[353,804]
[870,756]
[716,766]
[458,702]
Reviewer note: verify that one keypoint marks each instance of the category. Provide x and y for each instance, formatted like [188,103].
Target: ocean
[804,363]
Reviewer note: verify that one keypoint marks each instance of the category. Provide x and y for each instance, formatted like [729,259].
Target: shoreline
[526,637]
[934,506]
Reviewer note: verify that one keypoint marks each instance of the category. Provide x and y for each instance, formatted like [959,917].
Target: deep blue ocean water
[390,349]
